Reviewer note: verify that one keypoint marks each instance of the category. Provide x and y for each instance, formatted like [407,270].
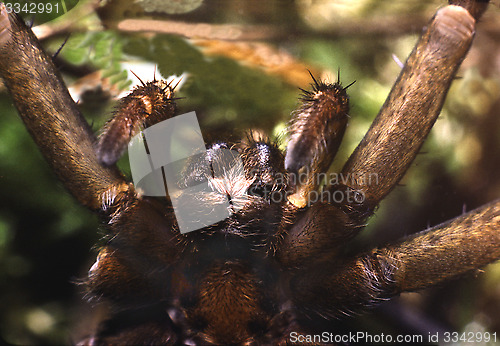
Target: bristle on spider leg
[60,47]
[397,61]
[315,82]
[140,80]
[177,84]
[349,85]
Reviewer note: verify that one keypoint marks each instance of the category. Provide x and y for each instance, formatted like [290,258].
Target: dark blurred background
[240,72]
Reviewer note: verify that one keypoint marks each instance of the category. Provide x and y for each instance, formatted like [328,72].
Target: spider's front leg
[412,107]
[51,116]
[387,151]
[140,237]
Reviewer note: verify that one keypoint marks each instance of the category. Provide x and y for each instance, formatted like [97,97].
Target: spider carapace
[278,259]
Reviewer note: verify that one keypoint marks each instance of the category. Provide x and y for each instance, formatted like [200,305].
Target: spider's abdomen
[229,289]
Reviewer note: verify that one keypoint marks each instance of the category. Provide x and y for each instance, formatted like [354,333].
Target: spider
[262,273]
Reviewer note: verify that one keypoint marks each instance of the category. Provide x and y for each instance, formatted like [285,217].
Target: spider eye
[264,164]
[200,168]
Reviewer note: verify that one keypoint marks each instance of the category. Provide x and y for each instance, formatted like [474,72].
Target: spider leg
[387,150]
[138,252]
[413,105]
[51,116]
[140,249]
[442,253]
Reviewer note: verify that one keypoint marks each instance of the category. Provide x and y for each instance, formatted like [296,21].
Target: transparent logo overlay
[207,186]
[174,145]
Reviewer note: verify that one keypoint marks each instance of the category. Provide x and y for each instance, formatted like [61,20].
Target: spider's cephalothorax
[278,258]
